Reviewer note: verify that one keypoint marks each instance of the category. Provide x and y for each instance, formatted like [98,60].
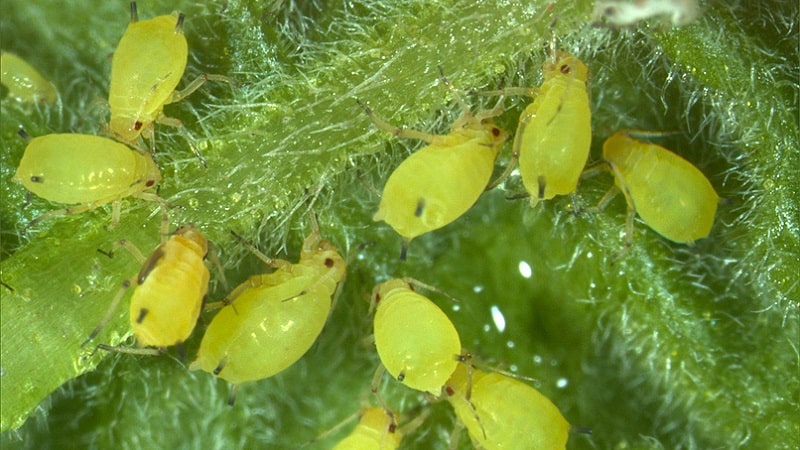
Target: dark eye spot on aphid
[137,126]
[377,298]
[420,207]
[495,131]
[328,262]
[142,313]
[565,69]
[542,183]
[449,391]
[148,265]
[401,377]
[392,428]
[37,179]
[149,183]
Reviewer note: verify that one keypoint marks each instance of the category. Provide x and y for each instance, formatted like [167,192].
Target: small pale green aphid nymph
[500,412]
[85,170]
[554,133]
[147,66]
[438,183]
[416,341]
[670,194]
[271,320]
[24,83]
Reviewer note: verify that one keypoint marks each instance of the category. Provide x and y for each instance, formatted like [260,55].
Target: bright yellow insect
[87,171]
[271,320]
[554,134]
[147,66]
[441,181]
[376,430]
[670,194]
[169,290]
[416,341]
[24,83]
[501,412]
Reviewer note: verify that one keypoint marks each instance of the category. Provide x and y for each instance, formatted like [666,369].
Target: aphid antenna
[417,283]
[249,246]
[456,96]
[649,134]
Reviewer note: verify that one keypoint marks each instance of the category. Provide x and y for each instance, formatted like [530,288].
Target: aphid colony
[90,171]
[278,315]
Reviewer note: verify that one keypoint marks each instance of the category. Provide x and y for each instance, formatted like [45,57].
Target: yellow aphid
[87,171]
[416,341]
[501,412]
[670,194]
[24,83]
[169,289]
[146,68]
[376,430]
[271,320]
[554,134]
[441,181]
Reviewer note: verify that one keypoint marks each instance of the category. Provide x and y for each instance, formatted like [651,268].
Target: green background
[671,346]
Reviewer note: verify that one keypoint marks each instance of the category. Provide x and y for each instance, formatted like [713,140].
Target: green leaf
[670,347]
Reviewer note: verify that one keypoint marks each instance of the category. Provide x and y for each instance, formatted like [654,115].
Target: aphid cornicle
[416,341]
[87,171]
[500,412]
[554,134]
[441,181]
[147,66]
[670,194]
[24,83]
[271,320]
[169,289]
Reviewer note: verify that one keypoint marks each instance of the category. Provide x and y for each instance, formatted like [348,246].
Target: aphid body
[554,133]
[147,66]
[24,83]
[376,430]
[85,170]
[171,288]
[502,412]
[271,320]
[670,194]
[416,341]
[441,181]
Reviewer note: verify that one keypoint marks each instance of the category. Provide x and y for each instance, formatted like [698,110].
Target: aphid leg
[466,358]
[325,434]
[110,311]
[213,258]
[455,435]
[77,209]
[506,173]
[377,378]
[389,128]
[604,201]
[176,123]
[7,286]
[131,351]
[195,85]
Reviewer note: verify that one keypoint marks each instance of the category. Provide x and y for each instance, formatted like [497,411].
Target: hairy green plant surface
[670,346]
